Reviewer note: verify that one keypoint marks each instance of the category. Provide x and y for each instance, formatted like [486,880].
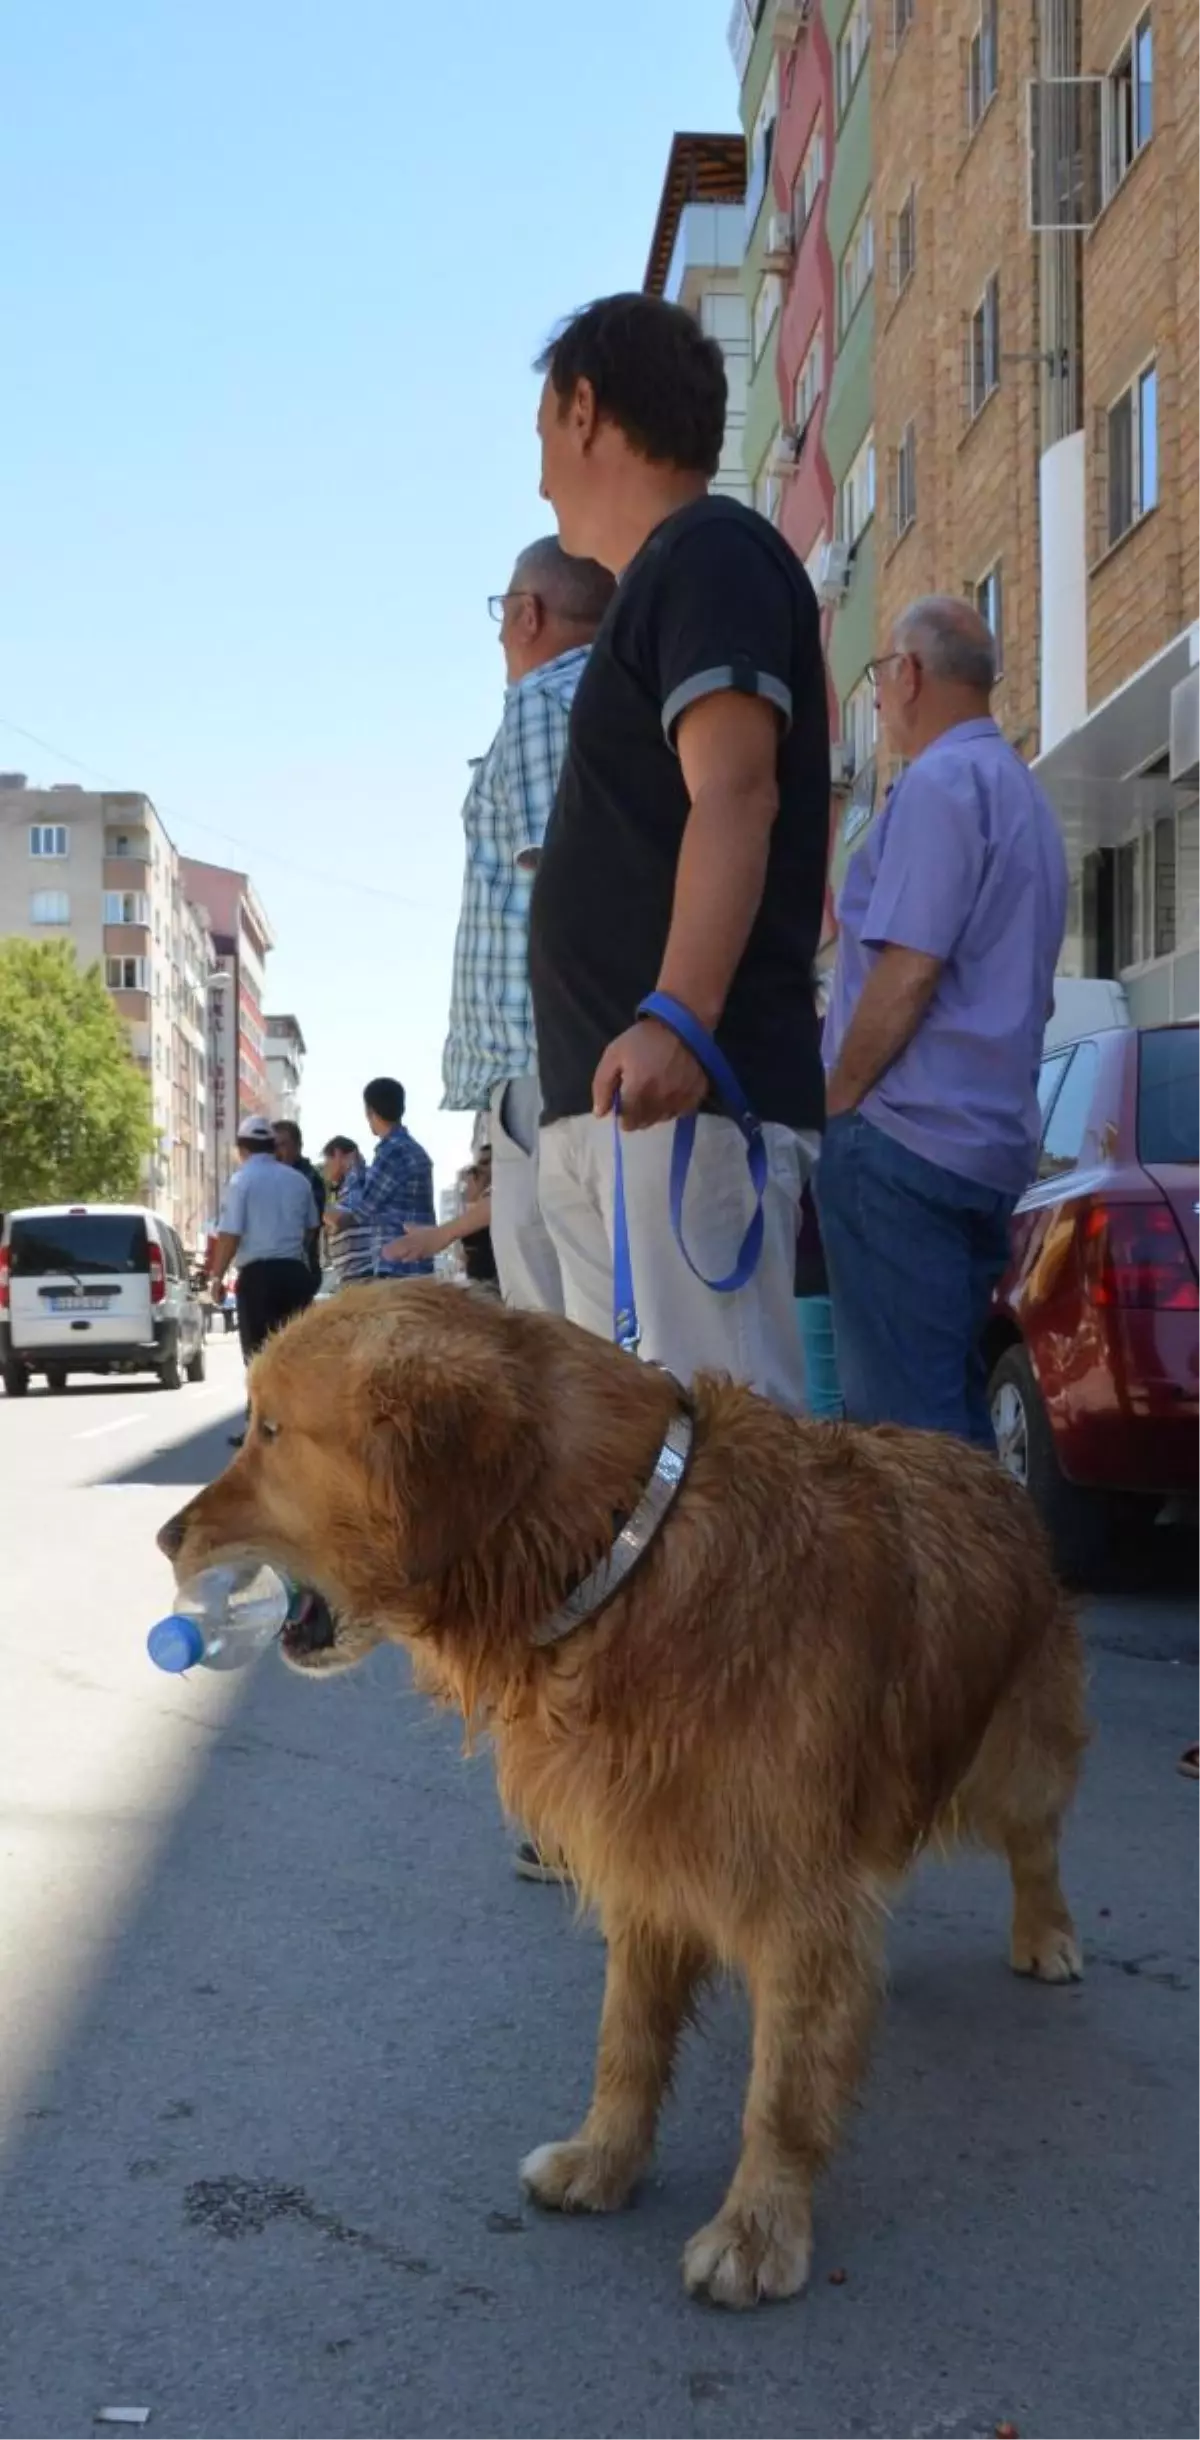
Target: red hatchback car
[1092,1343]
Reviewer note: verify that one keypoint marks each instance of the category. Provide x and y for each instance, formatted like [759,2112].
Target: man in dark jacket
[289,1148]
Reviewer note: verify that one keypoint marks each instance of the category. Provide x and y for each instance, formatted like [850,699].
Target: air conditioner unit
[841,763]
[833,572]
[782,461]
[781,241]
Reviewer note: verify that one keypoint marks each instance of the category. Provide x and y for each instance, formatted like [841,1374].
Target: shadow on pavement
[193,1461]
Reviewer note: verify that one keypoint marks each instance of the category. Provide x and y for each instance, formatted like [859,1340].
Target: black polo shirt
[715,599]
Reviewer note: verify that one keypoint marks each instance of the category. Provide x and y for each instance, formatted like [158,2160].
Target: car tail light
[5,1267]
[158,1275]
[1133,1254]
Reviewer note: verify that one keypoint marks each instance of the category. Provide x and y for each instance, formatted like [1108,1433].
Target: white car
[95,1288]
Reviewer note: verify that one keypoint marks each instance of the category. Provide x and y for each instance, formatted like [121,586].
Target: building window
[767,483]
[983,350]
[761,149]
[989,601]
[900,17]
[1133,453]
[126,906]
[857,265]
[48,839]
[904,482]
[808,181]
[126,973]
[904,244]
[856,497]
[983,63]
[49,906]
[1163,852]
[1128,105]
[766,307]
[808,382]
[853,45]
[859,724]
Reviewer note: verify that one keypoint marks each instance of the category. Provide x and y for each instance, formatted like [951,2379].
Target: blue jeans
[913,1253]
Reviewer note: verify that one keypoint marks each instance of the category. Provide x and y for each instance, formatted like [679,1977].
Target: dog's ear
[451,1450]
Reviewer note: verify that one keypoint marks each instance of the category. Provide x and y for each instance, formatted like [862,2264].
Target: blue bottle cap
[175,1644]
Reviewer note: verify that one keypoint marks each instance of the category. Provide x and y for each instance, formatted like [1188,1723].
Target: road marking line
[121,1424]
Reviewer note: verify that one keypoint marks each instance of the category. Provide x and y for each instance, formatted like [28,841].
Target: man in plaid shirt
[548,617]
[396,1192]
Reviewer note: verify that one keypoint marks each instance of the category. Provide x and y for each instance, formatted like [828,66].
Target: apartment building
[1114,200]
[957,368]
[237,1044]
[286,1049]
[695,260]
[97,868]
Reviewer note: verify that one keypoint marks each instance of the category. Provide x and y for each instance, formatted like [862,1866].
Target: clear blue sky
[273,274]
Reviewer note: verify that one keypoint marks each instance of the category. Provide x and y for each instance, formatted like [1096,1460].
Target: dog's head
[392,1432]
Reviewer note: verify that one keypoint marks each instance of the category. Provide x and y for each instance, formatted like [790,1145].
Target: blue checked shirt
[508,805]
[395,1192]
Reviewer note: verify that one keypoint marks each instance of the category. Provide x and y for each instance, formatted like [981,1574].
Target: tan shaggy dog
[841,1647]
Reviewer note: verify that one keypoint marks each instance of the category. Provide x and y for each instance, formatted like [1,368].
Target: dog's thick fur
[842,1647]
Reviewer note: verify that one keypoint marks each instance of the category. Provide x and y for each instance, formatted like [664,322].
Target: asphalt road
[277,2022]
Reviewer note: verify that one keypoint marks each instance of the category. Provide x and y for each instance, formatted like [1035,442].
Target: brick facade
[975,471]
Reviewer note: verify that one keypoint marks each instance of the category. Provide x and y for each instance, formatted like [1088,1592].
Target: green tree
[75,1117]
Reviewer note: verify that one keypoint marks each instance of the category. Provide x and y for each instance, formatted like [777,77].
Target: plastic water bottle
[223,1617]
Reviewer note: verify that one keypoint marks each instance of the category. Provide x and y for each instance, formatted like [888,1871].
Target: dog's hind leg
[813,1989]
[1018,1790]
[647,1996]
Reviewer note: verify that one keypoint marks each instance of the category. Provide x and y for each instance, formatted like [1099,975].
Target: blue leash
[672,1013]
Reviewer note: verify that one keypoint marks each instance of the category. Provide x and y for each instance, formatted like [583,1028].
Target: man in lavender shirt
[950,923]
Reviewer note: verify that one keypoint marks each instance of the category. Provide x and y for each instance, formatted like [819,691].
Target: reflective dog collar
[632,1541]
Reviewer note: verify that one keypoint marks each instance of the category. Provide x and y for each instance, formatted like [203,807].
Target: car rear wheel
[56,1376]
[16,1380]
[170,1372]
[1079,1522]
[196,1369]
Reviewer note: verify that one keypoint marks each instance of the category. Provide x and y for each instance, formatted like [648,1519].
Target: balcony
[710,237]
[122,845]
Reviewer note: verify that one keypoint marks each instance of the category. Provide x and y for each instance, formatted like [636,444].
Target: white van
[95,1288]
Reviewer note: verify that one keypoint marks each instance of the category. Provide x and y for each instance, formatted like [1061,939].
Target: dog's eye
[270,1431]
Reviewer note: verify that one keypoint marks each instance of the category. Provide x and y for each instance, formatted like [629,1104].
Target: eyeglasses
[884,661]
[496,602]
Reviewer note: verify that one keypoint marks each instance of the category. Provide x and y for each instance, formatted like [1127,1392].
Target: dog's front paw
[1051,1953]
[747,2254]
[576,2176]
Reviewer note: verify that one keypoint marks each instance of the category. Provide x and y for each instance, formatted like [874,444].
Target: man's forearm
[719,884]
[222,1255]
[894,999]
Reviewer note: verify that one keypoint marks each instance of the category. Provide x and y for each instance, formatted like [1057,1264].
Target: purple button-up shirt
[966,864]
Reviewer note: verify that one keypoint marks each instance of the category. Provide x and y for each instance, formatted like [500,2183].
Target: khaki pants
[750,1335]
[525,1256]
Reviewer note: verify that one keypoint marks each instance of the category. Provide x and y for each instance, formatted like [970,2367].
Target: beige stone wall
[1140,273]
[976,481]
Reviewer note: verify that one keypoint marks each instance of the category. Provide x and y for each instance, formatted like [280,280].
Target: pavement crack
[237,2207]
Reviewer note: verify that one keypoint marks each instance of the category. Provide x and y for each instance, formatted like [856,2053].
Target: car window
[1168,1104]
[80,1243]
[1049,1079]
[1067,1126]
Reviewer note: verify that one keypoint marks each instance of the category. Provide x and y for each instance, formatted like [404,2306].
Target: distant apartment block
[696,261]
[237,1044]
[285,1066]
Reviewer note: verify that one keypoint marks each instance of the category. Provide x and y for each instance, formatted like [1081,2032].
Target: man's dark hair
[340,1143]
[288,1126]
[654,374]
[385,1099]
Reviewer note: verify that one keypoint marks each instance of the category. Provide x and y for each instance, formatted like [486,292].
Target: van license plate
[80,1304]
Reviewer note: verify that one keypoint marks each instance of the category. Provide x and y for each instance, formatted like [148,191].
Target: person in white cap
[268,1223]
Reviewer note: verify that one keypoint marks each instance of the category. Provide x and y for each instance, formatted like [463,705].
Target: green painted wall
[850,408]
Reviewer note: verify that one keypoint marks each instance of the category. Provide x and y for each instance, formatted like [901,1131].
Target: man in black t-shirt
[686,851]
